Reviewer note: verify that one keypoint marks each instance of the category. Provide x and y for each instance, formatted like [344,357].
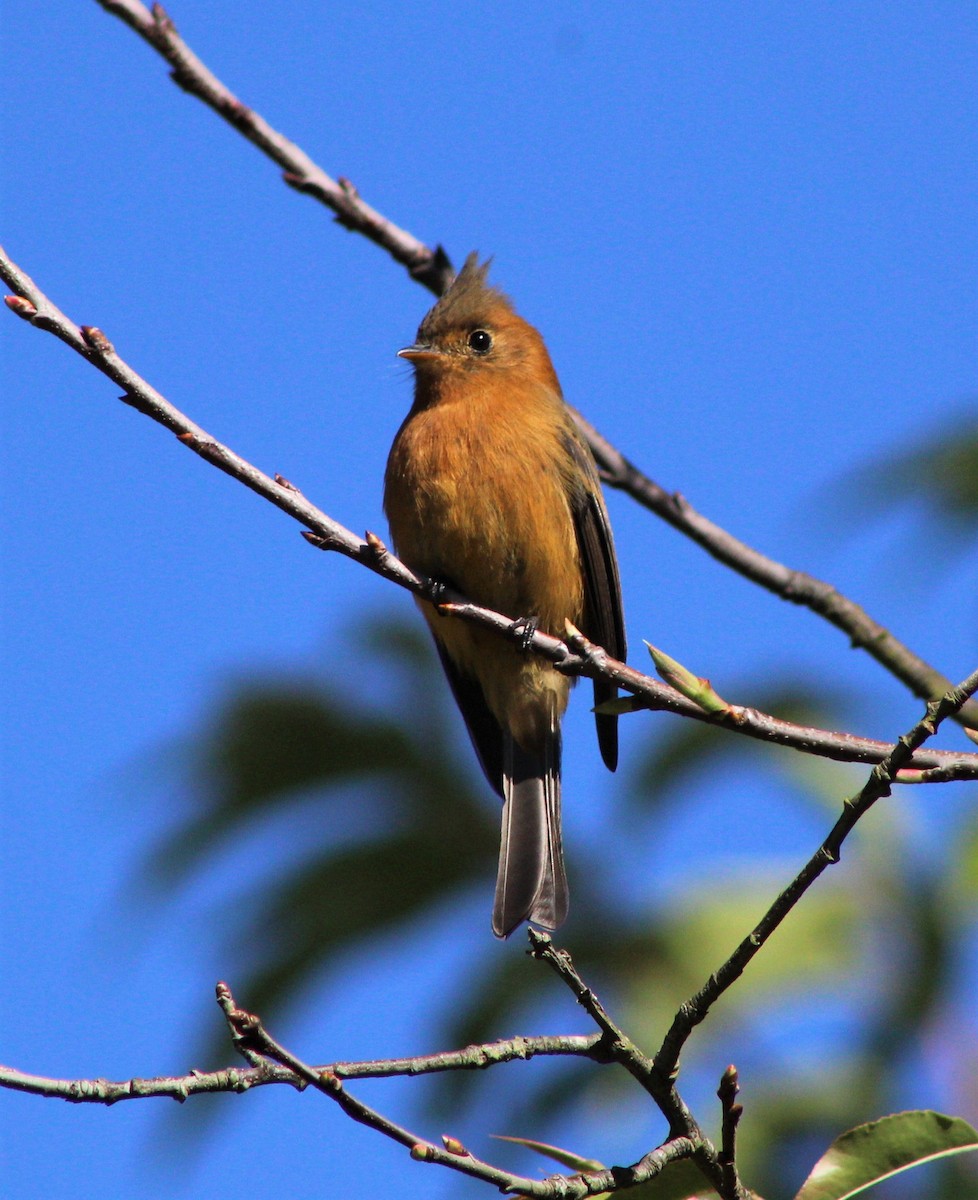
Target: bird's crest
[469,299]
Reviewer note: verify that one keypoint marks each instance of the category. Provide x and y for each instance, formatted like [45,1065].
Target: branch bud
[96,339]
[454,1146]
[21,306]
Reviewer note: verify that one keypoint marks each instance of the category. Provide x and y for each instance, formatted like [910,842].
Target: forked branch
[879,784]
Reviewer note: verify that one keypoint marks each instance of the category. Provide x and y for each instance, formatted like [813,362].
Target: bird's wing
[603,621]
[484,729]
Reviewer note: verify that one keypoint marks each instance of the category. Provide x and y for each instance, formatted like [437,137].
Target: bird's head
[474,329]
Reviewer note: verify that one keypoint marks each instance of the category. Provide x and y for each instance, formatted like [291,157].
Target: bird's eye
[480,341]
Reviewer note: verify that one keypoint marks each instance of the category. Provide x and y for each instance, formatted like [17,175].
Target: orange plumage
[490,489]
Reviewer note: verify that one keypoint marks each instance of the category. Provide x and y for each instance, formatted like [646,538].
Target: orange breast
[476,494]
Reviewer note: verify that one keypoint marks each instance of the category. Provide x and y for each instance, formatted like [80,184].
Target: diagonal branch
[433,269]
[577,656]
[879,784]
[720,1170]
[797,587]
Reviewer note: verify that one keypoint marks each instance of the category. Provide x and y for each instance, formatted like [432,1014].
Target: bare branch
[170,1087]
[719,1169]
[795,586]
[433,269]
[879,783]
[241,1079]
[618,1046]
[250,1037]
[576,656]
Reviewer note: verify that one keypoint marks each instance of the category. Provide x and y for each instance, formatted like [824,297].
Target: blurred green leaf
[871,1153]
[807,956]
[273,747]
[963,876]
[269,744]
[941,473]
[815,943]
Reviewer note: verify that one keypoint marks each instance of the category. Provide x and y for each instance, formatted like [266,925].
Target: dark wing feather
[603,621]
[484,729]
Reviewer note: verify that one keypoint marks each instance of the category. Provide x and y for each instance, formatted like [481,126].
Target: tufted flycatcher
[491,490]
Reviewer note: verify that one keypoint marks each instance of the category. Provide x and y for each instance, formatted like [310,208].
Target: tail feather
[531,884]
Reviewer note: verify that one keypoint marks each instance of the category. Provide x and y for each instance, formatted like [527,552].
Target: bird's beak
[418,353]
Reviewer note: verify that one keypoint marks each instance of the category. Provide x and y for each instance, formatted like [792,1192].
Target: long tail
[531,884]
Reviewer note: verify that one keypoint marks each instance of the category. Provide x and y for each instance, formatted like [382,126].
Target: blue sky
[747,233]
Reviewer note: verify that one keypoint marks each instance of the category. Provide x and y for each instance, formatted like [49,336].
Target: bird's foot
[437,591]
[523,629]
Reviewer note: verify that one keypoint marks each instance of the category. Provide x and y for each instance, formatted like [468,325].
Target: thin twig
[621,1049]
[176,1087]
[732,1112]
[433,269]
[33,306]
[241,1079]
[879,783]
[250,1036]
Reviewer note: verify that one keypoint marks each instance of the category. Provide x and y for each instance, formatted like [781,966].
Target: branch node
[212,451]
[576,640]
[433,270]
[540,942]
[375,545]
[236,111]
[21,306]
[96,340]
[454,1146]
[183,81]
[348,187]
[423,1152]
[283,482]
[331,1082]
[162,20]
[732,1112]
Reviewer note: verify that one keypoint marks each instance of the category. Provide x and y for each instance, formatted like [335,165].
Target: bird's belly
[488,514]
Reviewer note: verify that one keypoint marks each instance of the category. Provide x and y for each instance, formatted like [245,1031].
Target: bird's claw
[524,628]
[438,591]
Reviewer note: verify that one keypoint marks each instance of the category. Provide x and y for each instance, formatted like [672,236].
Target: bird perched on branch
[491,489]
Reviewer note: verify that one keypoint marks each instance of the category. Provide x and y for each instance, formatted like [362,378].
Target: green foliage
[940,473]
[881,1149]
[272,747]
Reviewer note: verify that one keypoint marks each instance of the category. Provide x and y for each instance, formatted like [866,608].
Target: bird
[491,490]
